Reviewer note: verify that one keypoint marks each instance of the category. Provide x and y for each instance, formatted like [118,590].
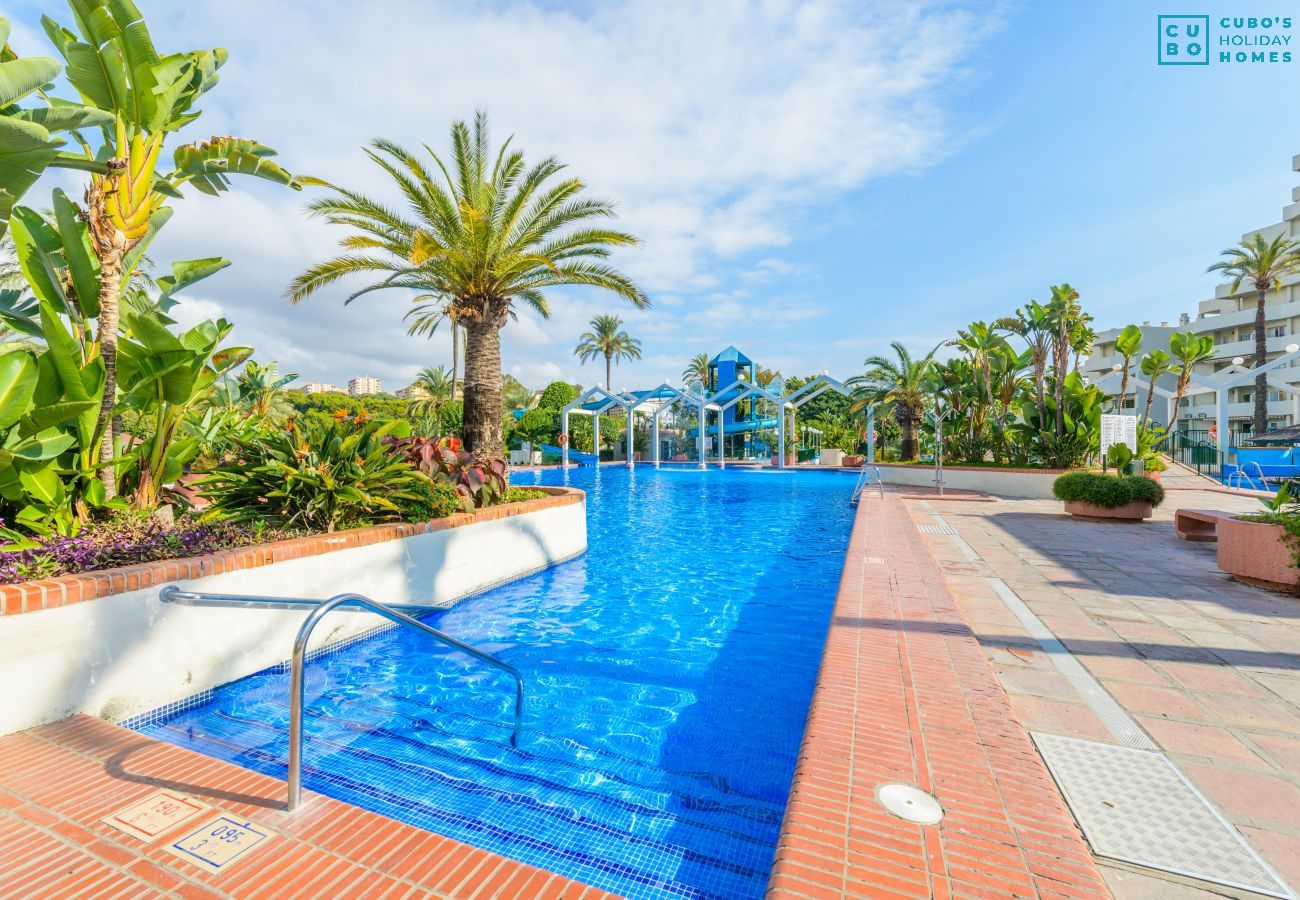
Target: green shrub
[432,500]
[316,475]
[519,495]
[1107,491]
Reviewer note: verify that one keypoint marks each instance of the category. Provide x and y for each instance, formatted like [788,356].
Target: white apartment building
[1230,319]
[321,387]
[404,393]
[364,384]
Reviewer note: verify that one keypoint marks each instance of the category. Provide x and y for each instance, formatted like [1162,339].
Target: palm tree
[1034,324]
[1155,365]
[903,384]
[487,233]
[606,340]
[433,387]
[1189,350]
[1264,264]
[260,387]
[697,370]
[1128,343]
[981,341]
[1065,316]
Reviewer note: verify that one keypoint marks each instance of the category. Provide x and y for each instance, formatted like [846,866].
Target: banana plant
[112,63]
[164,376]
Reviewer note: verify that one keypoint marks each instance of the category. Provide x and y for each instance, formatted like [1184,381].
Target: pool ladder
[398,613]
[1240,475]
[870,476]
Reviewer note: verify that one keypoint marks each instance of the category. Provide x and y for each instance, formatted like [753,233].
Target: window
[1277,331]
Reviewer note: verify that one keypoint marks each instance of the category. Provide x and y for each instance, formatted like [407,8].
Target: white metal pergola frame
[666,396]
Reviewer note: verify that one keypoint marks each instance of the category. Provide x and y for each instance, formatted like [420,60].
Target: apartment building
[364,384]
[1229,317]
[321,387]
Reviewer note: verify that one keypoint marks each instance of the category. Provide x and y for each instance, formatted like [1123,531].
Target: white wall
[1032,485]
[117,656]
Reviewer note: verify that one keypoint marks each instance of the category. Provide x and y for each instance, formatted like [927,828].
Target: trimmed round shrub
[1107,491]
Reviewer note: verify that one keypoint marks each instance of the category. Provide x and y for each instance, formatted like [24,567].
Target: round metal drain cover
[910,803]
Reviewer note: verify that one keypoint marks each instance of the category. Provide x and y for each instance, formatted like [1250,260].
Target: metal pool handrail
[864,482]
[319,609]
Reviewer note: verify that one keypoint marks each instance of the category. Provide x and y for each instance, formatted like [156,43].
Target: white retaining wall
[1032,485]
[121,655]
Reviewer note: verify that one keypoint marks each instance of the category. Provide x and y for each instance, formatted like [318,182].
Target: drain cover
[910,803]
[1135,806]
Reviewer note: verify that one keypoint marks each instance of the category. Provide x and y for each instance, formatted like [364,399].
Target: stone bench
[1199,524]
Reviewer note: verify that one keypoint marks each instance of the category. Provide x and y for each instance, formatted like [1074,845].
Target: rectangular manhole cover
[155,815]
[936,529]
[1136,807]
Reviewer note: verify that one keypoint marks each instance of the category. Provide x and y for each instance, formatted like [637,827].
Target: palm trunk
[1261,357]
[110,295]
[1123,388]
[483,392]
[609,373]
[1151,395]
[908,450]
[1062,354]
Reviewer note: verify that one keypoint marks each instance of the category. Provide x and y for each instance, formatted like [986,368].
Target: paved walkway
[1209,668]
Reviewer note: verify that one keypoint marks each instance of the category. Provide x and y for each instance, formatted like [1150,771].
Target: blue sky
[810,180]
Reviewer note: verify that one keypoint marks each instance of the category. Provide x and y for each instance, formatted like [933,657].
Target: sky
[809,181]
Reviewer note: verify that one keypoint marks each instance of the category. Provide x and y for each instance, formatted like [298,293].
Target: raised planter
[102,643]
[853,461]
[1257,553]
[1129,512]
[791,459]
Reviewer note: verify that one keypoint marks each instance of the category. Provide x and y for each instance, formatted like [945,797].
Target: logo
[1183,40]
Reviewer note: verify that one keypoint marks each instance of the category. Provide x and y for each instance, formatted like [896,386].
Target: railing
[870,475]
[1194,451]
[394,612]
[1240,474]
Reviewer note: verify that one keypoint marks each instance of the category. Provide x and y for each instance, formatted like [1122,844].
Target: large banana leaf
[81,261]
[26,150]
[18,376]
[40,255]
[19,77]
[187,273]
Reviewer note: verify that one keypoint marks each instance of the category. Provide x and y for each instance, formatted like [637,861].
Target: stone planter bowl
[1257,553]
[1129,512]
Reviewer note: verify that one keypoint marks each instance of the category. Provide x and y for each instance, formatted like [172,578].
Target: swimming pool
[669,672]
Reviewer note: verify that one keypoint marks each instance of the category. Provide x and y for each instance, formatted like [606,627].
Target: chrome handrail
[394,612]
[863,482]
[1241,473]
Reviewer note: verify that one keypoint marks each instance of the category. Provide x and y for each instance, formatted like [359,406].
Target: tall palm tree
[903,384]
[605,339]
[980,341]
[1034,324]
[1128,344]
[433,387]
[1066,317]
[1264,264]
[483,230]
[1155,365]
[696,370]
[1189,350]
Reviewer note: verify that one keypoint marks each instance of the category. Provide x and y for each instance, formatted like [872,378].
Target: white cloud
[717,128]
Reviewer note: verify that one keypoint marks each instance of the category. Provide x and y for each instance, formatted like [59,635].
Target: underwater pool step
[522,819]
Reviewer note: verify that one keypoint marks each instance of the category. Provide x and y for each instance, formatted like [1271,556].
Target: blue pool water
[668,672]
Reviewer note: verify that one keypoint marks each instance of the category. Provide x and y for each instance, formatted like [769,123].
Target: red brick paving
[905,695]
[56,782]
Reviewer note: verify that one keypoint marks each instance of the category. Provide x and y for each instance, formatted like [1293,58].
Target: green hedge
[1107,491]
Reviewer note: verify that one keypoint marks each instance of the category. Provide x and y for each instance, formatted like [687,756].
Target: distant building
[321,387]
[1228,317]
[405,393]
[364,384]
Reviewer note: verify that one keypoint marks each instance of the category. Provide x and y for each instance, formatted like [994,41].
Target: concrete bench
[1199,524]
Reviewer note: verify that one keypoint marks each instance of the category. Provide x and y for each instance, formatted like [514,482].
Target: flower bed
[1097,496]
